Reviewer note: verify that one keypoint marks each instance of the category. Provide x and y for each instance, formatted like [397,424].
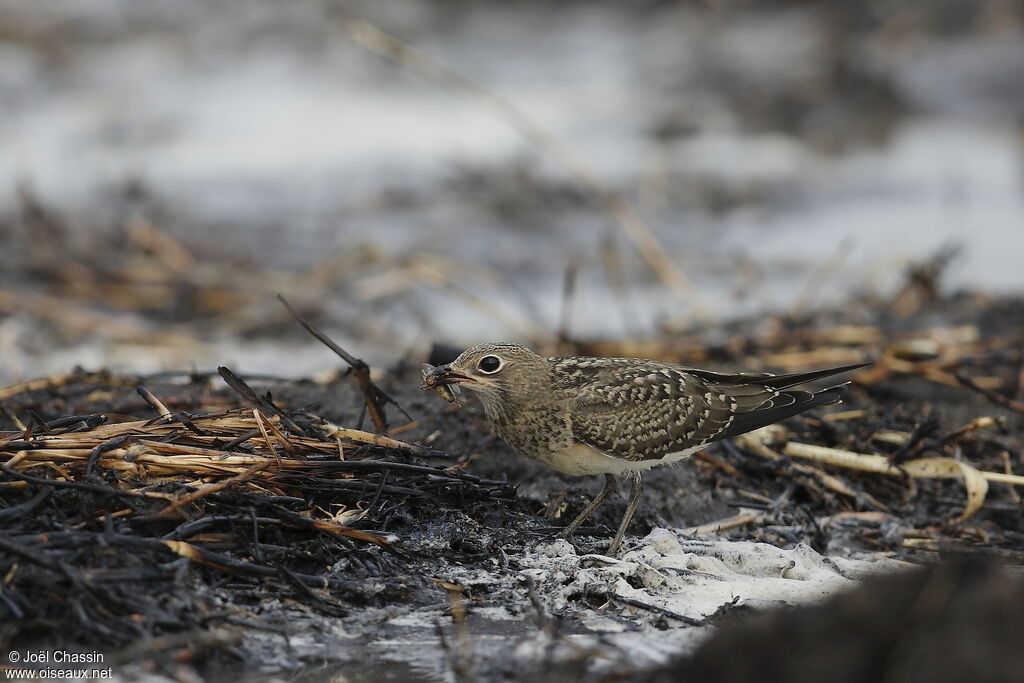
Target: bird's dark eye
[489,364]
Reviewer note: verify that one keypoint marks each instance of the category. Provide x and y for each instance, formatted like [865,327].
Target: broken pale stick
[976,481]
[723,524]
[360,436]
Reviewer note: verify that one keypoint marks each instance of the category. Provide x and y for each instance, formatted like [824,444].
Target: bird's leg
[609,487]
[635,491]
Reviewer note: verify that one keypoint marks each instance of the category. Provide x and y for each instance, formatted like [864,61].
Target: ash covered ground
[471,584]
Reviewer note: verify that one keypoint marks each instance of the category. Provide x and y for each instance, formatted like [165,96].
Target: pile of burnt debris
[115,526]
[150,515]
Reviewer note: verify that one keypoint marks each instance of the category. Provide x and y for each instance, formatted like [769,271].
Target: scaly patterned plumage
[583,415]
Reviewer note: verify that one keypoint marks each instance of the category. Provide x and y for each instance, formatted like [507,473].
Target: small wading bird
[582,415]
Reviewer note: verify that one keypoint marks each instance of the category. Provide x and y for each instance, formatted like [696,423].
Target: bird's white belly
[581,459]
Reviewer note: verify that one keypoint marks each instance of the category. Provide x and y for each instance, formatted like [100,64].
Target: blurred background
[411,172]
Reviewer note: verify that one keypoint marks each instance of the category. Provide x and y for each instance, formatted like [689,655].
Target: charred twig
[921,431]
[7,546]
[223,562]
[194,526]
[212,488]
[236,442]
[102,448]
[26,508]
[239,385]
[301,586]
[75,422]
[365,485]
[978,423]
[355,465]
[15,445]
[154,402]
[657,609]
[373,396]
[994,396]
[81,486]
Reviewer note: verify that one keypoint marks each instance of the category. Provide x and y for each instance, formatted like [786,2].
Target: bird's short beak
[443,374]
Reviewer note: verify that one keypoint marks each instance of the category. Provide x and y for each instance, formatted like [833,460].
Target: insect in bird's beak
[444,381]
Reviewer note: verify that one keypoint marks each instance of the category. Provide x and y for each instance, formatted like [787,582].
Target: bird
[584,415]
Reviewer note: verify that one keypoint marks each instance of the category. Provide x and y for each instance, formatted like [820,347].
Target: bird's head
[498,372]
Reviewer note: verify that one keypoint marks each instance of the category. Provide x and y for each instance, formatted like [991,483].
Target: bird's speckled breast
[546,436]
[544,433]
[539,431]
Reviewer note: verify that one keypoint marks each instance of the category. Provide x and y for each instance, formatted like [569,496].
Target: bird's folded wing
[646,410]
